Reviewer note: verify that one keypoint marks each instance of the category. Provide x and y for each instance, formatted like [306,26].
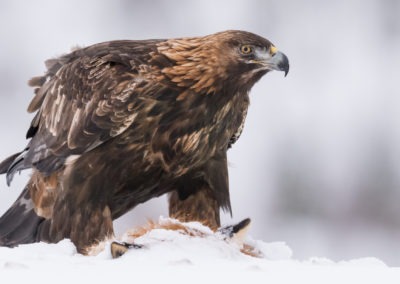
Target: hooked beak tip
[282,62]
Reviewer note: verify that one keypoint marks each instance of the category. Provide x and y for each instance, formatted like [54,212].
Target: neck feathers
[198,64]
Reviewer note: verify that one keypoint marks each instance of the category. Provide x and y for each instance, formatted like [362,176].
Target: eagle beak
[278,60]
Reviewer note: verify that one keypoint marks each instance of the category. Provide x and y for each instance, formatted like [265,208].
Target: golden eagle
[120,122]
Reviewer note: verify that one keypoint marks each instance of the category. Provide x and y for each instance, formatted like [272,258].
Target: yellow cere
[273,50]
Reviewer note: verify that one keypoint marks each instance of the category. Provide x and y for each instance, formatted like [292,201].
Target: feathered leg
[87,227]
[81,211]
[199,206]
[199,195]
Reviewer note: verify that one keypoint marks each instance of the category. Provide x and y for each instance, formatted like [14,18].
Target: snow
[173,257]
[320,154]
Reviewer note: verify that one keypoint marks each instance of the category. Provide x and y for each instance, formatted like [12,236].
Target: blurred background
[318,164]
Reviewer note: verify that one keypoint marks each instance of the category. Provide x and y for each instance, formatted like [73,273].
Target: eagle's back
[85,98]
[97,93]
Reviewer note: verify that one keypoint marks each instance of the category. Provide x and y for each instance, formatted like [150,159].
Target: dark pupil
[246,49]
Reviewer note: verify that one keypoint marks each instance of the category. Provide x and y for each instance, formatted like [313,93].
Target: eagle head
[230,58]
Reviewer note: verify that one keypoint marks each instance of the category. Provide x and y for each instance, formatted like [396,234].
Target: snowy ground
[172,257]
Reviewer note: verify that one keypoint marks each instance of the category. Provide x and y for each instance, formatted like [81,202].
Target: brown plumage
[121,122]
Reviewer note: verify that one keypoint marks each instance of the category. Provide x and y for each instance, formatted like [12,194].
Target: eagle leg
[199,206]
[87,227]
[200,194]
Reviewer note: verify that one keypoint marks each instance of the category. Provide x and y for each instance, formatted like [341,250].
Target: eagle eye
[246,49]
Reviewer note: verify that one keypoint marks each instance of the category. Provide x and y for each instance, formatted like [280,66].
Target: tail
[20,224]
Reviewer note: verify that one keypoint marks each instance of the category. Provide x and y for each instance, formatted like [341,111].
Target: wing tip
[15,166]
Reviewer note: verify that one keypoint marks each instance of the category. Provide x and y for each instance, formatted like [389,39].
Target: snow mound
[171,256]
[194,243]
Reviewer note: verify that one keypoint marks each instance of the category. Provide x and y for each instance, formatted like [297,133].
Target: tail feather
[19,225]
